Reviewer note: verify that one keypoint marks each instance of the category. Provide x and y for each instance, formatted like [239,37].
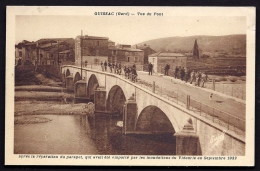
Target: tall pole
[37,57]
[58,54]
[81,46]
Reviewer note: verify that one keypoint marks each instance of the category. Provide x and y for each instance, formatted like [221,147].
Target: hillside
[228,43]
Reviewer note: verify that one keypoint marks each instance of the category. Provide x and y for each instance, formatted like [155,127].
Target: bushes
[49,71]
[243,78]
[24,75]
[233,79]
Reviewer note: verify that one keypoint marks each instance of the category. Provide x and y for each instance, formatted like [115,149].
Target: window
[113,52]
[153,60]
[97,43]
[136,59]
[128,59]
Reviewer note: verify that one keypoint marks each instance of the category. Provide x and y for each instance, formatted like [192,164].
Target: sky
[125,30]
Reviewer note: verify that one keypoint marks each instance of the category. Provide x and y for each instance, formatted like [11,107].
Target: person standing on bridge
[119,68]
[150,68]
[182,73]
[134,66]
[102,66]
[134,75]
[105,65]
[110,66]
[125,68]
[192,77]
[115,68]
[204,78]
[86,63]
[176,72]
[167,67]
[198,77]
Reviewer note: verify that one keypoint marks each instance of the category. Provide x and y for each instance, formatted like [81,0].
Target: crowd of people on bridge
[117,68]
[185,74]
[130,72]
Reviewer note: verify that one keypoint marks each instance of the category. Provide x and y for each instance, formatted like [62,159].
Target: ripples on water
[81,134]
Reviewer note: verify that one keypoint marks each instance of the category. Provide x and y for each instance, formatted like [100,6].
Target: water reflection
[87,134]
[109,139]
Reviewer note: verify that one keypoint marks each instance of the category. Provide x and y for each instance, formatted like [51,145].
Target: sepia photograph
[169,86]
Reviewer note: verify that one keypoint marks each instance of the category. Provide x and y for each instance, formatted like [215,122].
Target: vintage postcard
[130,86]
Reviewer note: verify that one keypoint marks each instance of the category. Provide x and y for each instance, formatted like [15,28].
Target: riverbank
[32,107]
[48,98]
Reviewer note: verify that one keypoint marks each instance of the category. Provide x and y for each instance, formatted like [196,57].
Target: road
[223,103]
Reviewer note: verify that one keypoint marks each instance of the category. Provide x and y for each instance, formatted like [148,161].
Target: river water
[87,134]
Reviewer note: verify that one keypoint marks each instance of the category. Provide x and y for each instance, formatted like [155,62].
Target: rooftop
[124,49]
[92,37]
[132,50]
[142,47]
[167,55]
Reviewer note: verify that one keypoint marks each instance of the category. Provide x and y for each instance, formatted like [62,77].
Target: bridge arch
[153,120]
[92,86]
[115,100]
[77,77]
[67,73]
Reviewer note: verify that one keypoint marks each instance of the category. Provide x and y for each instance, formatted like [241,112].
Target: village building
[111,44]
[126,55]
[55,51]
[18,53]
[147,51]
[28,52]
[159,61]
[122,46]
[46,51]
[94,49]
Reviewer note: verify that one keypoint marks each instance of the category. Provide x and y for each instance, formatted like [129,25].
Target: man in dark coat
[134,75]
[167,67]
[105,65]
[150,68]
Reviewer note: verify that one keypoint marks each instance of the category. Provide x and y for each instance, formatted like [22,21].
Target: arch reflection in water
[109,139]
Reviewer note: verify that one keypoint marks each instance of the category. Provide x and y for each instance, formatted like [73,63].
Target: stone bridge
[144,112]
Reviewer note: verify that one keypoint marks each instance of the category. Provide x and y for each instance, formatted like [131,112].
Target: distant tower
[196,50]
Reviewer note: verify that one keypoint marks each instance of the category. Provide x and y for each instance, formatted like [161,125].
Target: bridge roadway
[221,102]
